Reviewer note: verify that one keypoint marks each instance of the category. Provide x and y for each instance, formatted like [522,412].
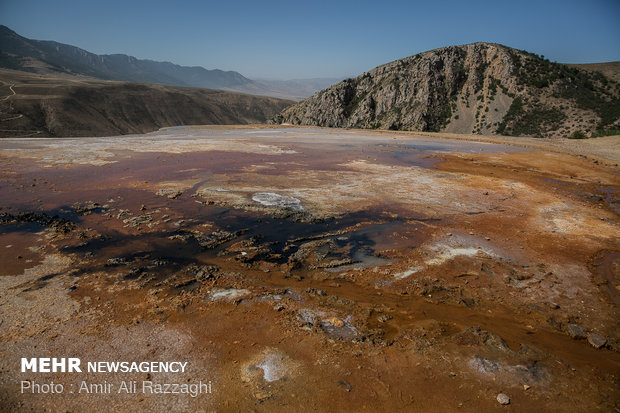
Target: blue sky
[293,39]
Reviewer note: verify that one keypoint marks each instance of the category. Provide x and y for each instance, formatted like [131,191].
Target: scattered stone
[203,272]
[216,238]
[484,365]
[339,329]
[554,323]
[503,399]
[316,292]
[122,213]
[576,331]
[87,208]
[116,261]
[307,316]
[170,193]
[597,340]
[384,317]
[345,384]
[262,396]
[335,321]
[279,307]
[526,387]
[138,220]
[334,263]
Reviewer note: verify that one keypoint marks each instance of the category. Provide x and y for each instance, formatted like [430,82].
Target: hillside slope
[49,57]
[477,88]
[37,105]
[609,69]
[58,59]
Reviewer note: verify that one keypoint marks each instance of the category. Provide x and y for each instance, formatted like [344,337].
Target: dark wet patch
[607,266]
[165,251]
[611,198]
[34,219]
[129,226]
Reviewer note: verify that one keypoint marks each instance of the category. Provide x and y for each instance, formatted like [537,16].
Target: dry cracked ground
[307,269]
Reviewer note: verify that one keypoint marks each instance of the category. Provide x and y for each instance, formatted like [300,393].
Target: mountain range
[53,58]
[479,88]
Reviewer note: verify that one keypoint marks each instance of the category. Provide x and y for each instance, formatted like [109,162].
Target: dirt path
[13,93]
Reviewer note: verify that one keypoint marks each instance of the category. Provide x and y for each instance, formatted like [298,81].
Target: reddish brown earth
[408,273]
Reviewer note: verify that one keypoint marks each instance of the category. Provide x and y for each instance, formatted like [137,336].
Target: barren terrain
[63,105]
[309,269]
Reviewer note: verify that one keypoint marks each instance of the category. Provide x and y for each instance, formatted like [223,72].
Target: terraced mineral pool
[60,175]
[301,264]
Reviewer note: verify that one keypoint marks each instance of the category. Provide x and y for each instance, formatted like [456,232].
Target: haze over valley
[57,59]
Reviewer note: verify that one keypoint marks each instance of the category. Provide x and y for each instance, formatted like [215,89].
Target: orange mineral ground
[309,269]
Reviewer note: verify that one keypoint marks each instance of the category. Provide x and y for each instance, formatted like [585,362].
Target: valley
[37,105]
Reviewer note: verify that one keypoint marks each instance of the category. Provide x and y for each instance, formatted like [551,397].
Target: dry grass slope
[41,105]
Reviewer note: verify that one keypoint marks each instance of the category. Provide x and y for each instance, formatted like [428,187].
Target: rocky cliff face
[477,88]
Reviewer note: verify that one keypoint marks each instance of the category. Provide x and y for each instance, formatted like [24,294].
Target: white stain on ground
[460,246]
[270,365]
[273,367]
[227,294]
[102,151]
[449,253]
[408,272]
[273,199]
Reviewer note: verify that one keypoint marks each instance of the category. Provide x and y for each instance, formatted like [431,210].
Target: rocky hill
[479,88]
[38,105]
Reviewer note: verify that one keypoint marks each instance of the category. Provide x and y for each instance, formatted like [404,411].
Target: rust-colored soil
[303,269]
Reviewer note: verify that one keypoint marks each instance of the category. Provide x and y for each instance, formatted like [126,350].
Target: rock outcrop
[477,88]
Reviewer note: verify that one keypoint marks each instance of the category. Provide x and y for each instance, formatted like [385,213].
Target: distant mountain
[17,52]
[43,105]
[48,57]
[295,89]
[478,88]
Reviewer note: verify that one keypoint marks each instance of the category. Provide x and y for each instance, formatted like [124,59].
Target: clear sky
[294,39]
